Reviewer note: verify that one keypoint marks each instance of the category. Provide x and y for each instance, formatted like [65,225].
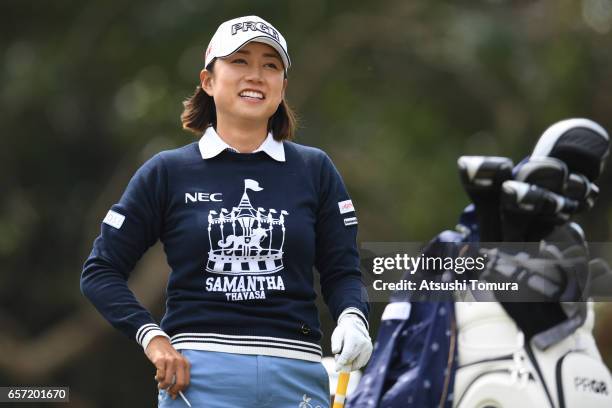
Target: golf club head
[484,173]
[581,144]
[582,190]
[529,199]
[482,177]
[545,172]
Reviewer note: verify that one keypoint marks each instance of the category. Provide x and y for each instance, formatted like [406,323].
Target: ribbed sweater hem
[254,345]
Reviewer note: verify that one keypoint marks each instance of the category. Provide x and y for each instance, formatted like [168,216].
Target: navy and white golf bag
[502,353]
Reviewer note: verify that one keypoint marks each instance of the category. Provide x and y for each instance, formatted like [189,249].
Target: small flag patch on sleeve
[346,206]
[350,221]
[114,219]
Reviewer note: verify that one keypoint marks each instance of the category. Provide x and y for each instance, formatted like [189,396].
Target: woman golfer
[243,215]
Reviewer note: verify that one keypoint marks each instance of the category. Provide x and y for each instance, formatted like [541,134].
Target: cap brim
[268,41]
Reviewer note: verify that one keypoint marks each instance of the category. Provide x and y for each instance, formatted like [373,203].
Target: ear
[284,87]
[206,81]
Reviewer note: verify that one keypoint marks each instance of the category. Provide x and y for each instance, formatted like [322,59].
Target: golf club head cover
[482,178]
[581,144]
[530,212]
[545,172]
[581,189]
[582,147]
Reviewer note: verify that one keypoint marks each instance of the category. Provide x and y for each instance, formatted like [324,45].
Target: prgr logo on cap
[255,26]
[234,34]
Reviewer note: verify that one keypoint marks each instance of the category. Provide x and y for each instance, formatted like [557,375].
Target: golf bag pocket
[583,381]
[492,384]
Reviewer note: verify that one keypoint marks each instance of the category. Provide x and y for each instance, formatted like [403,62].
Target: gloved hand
[351,343]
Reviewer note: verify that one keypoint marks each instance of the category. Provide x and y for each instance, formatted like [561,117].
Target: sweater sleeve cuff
[355,311]
[147,332]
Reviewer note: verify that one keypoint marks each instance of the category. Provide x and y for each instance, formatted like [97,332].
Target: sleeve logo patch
[346,206]
[114,219]
[350,221]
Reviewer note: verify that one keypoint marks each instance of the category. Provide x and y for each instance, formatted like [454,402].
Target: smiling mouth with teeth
[252,94]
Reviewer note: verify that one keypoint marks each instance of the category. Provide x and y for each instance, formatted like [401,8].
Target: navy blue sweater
[242,233]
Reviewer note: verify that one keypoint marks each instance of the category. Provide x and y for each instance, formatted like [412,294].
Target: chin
[256,116]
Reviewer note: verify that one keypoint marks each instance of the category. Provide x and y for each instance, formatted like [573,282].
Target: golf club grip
[340,396]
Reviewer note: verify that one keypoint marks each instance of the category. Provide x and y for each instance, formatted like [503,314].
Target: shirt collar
[211,145]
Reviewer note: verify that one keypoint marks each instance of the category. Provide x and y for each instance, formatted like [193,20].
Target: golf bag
[506,354]
[539,353]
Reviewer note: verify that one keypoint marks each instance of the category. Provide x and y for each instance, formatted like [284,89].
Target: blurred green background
[394,91]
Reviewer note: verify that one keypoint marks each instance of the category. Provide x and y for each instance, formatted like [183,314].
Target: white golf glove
[351,342]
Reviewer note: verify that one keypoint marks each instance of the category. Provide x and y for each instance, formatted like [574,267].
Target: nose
[254,74]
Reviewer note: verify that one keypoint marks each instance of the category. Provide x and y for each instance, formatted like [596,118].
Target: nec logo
[207,197]
[255,26]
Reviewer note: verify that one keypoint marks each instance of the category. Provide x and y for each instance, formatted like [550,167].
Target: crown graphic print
[245,240]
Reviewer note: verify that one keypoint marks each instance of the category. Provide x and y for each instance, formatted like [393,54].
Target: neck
[245,137]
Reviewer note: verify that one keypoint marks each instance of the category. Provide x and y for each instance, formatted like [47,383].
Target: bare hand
[172,367]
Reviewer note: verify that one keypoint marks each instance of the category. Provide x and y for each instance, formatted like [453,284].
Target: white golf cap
[234,34]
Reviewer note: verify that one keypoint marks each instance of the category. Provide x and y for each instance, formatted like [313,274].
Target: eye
[272,65]
[239,61]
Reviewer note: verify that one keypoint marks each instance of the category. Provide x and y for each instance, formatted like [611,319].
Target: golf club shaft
[340,396]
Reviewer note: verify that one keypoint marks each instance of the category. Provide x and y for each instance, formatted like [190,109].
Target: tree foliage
[394,91]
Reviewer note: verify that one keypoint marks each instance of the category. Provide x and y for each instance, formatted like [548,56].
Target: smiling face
[248,85]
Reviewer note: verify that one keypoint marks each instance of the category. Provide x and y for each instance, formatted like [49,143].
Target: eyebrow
[269,55]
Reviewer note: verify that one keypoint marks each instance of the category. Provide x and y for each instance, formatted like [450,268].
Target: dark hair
[200,112]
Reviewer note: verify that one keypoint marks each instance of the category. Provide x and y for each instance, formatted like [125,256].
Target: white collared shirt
[211,145]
